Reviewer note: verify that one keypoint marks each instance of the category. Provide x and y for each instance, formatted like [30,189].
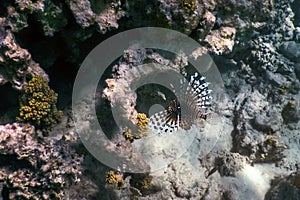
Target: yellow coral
[115,179]
[293,105]
[128,135]
[38,105]
[271,141]
[141,182]
[143,130]
[146,183]
[143,121]
[188,4]
[282,89]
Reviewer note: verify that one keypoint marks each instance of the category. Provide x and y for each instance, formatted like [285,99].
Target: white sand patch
[252,182]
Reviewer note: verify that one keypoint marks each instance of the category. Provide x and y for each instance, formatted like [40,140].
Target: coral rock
[16,61]
[40,168]
[221,41]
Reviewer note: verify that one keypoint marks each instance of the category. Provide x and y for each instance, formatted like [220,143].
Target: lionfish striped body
[193,99]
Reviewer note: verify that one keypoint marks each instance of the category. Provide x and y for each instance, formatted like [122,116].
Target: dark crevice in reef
[238,133]
[9,104]
[151,94]
[3,8]
[295,7]
[14,162]
[62,76]
[43,49]
[224,64]
[29,35]
[103,107]
[9,97]
[5,193]
[105,118]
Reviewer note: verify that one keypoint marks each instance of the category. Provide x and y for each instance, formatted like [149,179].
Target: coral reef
[129,136]
[284,188]
[262,88]
[272,77]
[33,168]
[114,179]
[141,181]
[130,185]
[229,164]
[142,131]
[255,45]
[125,75]
[143,121]
[105,16]
[221,41]
[38,105]
[16,62]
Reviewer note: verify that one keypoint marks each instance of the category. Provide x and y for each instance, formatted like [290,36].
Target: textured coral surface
[255,45]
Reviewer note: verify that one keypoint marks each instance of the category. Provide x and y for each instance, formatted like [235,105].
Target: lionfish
[191,103]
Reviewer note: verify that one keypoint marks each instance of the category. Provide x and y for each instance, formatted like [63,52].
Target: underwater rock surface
[33,168]
[256,47]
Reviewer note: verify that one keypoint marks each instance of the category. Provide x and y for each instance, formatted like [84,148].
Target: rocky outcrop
[34,168]
[255,45]
[16,63]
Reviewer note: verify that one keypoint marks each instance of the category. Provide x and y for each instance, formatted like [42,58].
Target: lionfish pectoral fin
[163,123]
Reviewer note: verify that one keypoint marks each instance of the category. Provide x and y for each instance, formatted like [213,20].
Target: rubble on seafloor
[255,153]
